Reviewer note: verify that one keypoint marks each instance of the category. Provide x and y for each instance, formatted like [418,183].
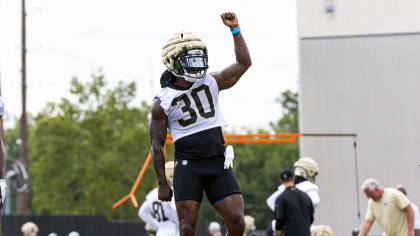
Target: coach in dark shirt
[294,212]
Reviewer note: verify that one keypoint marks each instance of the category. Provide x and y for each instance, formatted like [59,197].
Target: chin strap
[189,79]
[169,77]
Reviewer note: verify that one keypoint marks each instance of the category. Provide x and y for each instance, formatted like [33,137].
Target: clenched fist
[165,193]
[230,19]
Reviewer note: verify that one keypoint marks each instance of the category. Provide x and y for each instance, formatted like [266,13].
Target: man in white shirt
[403,189]
[160,215]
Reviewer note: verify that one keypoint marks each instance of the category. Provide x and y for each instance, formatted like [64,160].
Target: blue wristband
[235,30]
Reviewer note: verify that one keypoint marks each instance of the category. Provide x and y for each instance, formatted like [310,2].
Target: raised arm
[157,130]
[230,75]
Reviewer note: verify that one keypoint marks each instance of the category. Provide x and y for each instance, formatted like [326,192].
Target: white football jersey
[194,109]
[160,215]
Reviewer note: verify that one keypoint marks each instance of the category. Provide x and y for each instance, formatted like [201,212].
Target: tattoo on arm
[157,131]
[230,75]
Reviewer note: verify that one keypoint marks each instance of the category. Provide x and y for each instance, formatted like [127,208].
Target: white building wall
[354,17]
[371,86]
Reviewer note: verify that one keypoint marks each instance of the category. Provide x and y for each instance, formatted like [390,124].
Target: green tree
[85,155]
[290,121]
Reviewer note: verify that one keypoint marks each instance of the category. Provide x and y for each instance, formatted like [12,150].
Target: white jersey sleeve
[312,191]
[416,217]
[271,200]
[305,186]
[146,216]
[157,213]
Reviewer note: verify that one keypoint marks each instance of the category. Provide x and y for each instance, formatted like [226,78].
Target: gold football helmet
[322,230]
[169,172]
[306,167]
[185,55]
[29,229]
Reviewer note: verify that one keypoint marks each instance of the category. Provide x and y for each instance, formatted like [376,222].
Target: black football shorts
[191,177]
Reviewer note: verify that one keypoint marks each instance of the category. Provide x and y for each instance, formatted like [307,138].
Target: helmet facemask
[193,64]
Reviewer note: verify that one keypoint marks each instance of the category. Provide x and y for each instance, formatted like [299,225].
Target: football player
[322,230]
[3,185]
[416,226]
[188,104]
[249,225]
[161,215]
[306,170]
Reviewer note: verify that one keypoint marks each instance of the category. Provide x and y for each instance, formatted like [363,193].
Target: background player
[306,170]
[416,226]
[3,185]
[165,220]
[29,229]
[188,105]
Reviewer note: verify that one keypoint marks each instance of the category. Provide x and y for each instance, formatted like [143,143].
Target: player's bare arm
[410,216]
[230,75]
[364,230]
[157,130]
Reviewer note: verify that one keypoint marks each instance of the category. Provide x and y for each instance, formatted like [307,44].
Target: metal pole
[23,197]
[2,159]
[356,165]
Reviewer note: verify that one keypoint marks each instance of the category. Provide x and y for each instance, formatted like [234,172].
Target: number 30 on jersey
[198,104]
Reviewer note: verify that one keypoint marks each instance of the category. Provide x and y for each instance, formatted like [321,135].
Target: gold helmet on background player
[185,55]
[29,229]
[306,167]
[249,224]
[322,230]
[169,172]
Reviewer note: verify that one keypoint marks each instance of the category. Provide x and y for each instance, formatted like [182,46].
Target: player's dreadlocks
[166,79]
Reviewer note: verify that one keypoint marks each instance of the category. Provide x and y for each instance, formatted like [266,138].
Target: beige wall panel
[370,86]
